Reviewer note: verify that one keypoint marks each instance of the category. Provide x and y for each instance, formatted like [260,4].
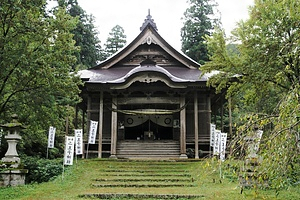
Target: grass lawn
[94,176]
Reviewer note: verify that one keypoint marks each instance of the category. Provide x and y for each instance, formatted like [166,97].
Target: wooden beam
[145,100]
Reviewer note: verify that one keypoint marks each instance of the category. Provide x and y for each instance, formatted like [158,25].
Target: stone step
[143,185]
[140,196]
[149,179]
[148,149]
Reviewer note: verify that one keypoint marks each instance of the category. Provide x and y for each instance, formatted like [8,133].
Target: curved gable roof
[148,36]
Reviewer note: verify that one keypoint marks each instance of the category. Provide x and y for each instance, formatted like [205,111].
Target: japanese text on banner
[223,146]
[212,134]
[93,132]
[51,137]
[216,149]
[78,142]
[69,150]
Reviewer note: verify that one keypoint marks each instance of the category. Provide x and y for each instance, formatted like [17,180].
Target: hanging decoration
[136,120]
[149,111]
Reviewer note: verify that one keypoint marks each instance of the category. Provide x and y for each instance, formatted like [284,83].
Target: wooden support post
[100,124]
[114,126]
[230,117]
[89,106]
[208,100]
[82,126]
[196,125]
[182,129]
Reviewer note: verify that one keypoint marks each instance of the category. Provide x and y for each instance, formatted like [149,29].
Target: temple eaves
[147,21]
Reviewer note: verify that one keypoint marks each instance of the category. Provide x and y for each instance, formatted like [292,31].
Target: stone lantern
[13,128]
[11,175]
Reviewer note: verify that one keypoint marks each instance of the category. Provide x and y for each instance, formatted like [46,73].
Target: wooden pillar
[100,124]
[230,117]
[89,106]
[208,103]
[208,113]
[82,126]
[230,122]
[196,125]
[182,129]
[113,150]
[82,121]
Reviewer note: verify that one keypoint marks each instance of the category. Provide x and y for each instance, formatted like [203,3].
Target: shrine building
[150,101]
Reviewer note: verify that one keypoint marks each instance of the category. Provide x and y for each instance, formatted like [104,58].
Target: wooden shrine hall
[150,101]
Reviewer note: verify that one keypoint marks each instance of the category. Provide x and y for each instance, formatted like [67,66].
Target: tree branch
[2,109]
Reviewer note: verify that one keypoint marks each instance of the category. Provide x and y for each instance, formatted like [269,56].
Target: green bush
[41,170]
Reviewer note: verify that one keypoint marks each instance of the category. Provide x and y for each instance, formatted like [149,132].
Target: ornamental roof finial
[147,21]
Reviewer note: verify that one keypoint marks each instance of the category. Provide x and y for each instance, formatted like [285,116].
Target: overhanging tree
[36,55]
[268,63]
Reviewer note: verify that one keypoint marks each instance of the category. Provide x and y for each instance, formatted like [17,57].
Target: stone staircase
[141,179]
[158,149]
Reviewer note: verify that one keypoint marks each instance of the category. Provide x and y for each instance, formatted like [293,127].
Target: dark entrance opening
[149,130]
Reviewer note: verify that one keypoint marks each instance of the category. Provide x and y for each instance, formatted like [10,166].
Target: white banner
[223,146]
[217,139]
[51,137]
[212,134]
[69,150]
[78,142]
[93,132]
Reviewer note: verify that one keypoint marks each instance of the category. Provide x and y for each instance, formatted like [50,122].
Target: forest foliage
[263,79]
[36,58]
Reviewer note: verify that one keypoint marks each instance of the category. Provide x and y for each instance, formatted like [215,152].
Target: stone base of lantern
[13,160]
[12,177]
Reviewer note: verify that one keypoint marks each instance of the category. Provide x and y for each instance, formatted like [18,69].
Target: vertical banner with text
[51,137]
[223,146]
[216,149]
[78,142]
[69,150]
[93,132]
[212,134]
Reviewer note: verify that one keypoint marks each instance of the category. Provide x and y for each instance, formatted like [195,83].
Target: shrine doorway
[148,127]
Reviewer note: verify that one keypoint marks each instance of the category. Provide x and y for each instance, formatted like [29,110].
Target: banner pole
[87,151]
[63,171]
[220,162]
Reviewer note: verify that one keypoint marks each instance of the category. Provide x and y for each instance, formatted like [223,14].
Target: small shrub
[42,170]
